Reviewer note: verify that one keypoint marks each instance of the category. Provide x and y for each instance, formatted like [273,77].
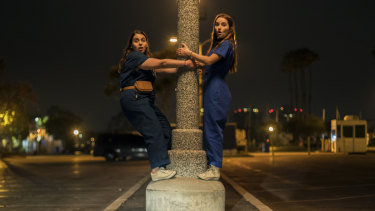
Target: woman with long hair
[137,73]
[221,58]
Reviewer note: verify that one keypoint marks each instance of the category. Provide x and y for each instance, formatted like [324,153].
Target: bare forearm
[206,60]
[171,63]
[152,63]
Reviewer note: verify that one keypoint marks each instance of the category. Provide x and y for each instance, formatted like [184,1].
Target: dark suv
[120,146]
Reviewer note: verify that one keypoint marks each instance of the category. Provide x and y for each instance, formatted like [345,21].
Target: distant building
[349,135]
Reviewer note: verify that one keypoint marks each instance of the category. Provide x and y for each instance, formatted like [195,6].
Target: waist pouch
[143,86]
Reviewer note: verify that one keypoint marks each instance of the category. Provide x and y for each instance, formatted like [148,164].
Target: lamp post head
[173,39]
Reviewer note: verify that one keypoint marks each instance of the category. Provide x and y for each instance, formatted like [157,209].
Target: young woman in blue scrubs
[221,59]
[136,64]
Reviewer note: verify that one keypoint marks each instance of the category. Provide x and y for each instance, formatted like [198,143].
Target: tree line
[18,109]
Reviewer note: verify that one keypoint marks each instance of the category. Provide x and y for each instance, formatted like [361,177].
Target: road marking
[246,195]
[120,200]
[325,199]
[268,174]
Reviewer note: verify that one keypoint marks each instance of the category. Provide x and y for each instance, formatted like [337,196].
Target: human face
[221,27]
[139,43]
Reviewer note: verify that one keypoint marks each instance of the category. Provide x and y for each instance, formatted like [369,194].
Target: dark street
[65,182]
[290,181]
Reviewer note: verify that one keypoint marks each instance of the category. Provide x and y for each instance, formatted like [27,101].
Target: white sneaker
[212,173]
[162,174]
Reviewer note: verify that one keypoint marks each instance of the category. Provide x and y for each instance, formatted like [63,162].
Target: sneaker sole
[164,178]
[210,179]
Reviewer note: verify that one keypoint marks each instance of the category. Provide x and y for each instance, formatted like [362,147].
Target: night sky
[64,48]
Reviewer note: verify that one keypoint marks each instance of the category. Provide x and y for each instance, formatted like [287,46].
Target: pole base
[185,194]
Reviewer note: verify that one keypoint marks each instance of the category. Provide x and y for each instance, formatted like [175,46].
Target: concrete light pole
[187,156]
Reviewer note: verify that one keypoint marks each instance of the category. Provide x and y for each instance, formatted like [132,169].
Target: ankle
[154,170]
[214,167]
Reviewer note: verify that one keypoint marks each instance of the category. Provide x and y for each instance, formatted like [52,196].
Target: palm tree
[306,57]
[289,67]
[300,61]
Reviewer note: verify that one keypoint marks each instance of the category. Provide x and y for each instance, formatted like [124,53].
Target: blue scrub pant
[216,103]
[147,119]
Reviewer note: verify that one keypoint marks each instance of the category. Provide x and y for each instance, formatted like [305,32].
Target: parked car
[120,146]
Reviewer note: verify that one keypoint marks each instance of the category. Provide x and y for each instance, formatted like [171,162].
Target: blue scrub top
[130,74]
[221,67]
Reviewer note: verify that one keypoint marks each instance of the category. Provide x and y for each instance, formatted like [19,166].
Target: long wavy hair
[128,48]
[231,36]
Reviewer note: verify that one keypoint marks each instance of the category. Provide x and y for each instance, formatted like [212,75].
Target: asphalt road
[289,181]
[65,182]
[295,181]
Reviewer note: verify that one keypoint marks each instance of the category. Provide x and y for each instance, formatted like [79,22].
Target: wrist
[185,63]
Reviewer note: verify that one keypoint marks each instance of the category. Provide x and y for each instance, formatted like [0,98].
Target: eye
[217,24]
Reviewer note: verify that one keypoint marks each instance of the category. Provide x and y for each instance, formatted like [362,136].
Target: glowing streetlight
[76,132]
[271,129]
[173,39]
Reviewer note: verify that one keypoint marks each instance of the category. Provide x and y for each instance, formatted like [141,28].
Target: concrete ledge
[185,194]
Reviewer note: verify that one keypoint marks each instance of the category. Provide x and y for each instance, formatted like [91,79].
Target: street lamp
[173,39]
[271,129]
[76,132]
[200,82]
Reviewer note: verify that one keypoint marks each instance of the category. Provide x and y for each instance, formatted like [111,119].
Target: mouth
[140,48]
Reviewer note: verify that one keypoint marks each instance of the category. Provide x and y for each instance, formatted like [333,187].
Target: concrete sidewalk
[233,200]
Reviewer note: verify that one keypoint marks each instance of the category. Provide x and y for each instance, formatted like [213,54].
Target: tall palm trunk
[296,89]
[290,80]
[310,91]
[303,89]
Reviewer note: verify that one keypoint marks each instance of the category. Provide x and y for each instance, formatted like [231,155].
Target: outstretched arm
[165,64]
[207,60]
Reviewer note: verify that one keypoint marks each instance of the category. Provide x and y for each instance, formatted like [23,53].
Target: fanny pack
[143,86]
